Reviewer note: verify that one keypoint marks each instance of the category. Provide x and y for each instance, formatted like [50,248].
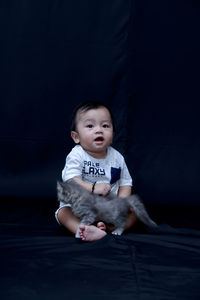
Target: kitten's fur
[90,208]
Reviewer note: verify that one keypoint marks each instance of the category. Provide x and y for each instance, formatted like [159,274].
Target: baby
[96,166]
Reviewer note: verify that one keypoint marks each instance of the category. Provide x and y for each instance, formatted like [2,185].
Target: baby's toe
[101,226]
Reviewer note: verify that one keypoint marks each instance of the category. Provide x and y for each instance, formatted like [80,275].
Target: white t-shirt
[112,169]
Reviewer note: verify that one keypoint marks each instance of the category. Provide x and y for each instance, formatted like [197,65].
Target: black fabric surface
[38,263]
[142,59]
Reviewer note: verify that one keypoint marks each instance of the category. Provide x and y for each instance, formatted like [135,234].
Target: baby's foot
[101,226]
[91,233]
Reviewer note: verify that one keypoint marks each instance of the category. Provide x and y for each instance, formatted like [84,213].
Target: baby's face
[94,131]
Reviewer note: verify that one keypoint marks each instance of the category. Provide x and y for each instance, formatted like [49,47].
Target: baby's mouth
[99,139]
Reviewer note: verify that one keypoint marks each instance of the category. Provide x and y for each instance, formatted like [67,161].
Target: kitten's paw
[77,235]
[118,231]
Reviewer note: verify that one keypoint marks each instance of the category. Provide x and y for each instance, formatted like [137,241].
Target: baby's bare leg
[68,219]
[131,219]
[72,223]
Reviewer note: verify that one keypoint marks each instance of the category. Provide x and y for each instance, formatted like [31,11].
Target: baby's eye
[89,126]
[106,126]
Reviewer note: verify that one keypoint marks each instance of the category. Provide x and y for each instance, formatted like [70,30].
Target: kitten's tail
[140,211]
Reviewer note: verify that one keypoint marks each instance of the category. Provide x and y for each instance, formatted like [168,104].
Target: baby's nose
[98,128]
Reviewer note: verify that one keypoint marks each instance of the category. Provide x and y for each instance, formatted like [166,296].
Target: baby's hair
[88,105]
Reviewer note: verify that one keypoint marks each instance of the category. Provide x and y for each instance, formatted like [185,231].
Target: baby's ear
[75,137]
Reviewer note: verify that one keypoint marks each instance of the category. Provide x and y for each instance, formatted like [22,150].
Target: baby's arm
[85,185]
[99,189]
[102,189]
[124,191]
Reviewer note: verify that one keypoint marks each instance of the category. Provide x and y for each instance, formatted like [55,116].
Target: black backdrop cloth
[142,59]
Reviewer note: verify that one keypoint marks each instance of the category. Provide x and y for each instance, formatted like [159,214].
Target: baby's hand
[102,189]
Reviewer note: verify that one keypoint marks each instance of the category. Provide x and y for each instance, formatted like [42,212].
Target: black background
[142,58]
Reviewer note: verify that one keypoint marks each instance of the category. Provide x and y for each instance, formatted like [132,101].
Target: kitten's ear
[75,137]
[58,185]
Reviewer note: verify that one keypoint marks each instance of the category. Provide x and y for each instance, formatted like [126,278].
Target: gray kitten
[90,208]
